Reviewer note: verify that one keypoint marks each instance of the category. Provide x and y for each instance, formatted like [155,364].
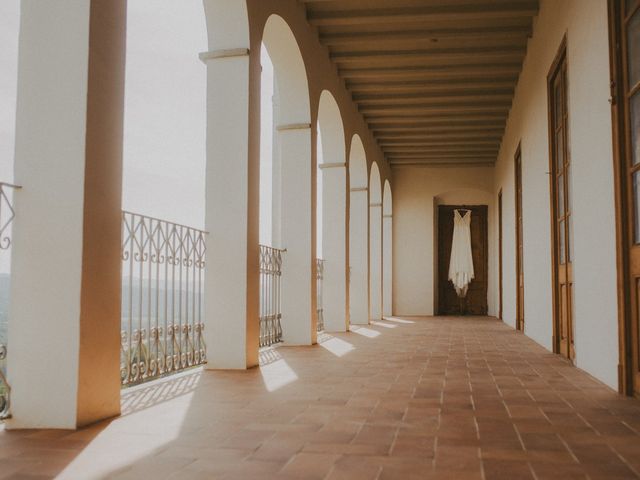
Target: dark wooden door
[560,160]
[475,303]
[624,18]
[500,253]
[519,244]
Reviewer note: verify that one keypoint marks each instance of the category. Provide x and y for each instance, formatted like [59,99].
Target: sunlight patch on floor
[336,346]
[364,331]
[277,374]
[397,320]
[128,440]
[382,324]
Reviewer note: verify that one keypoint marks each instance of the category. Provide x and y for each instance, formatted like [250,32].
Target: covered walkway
[455,398]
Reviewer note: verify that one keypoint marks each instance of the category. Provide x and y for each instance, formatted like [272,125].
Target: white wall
[417,190]
[595,305]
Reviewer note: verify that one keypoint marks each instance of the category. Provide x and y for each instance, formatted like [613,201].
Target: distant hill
[144,302]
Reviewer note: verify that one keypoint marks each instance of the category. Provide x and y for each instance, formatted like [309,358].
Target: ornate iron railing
[162,298]
[319,277]
[270,312]
[7,214]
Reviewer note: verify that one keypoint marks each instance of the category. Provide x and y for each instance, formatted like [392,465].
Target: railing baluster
[319,293]
[270,272]
[7,214]
[163,331]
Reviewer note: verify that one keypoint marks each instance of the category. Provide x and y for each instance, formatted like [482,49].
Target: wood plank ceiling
[434,79]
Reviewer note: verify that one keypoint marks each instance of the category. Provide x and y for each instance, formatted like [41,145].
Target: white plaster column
[334,193]
[276,175]
[296,229]
[64,314]
[359,256]
[387,264]
[375,261]
[230,289]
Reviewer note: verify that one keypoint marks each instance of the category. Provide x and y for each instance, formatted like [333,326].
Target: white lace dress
[461,262]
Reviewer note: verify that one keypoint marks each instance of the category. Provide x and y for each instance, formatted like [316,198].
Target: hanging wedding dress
[461,262]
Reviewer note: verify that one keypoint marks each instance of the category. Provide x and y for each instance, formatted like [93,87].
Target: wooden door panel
[624,44]
[560,162]
[519,242]
[500,299]
[475,302]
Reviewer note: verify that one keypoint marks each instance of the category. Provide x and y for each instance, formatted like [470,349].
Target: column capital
[223,53]
[322,166]
[294,126]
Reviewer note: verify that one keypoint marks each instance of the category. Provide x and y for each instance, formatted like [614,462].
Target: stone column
[359,256]
[298,282]
[231,278]
[375,261]
[334,201]
[387,264]
[64,325]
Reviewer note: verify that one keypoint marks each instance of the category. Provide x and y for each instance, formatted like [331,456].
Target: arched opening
[375,244]
[165,111]
[358,234]
[387,251]
[291,213]
[331,214]
[164,162]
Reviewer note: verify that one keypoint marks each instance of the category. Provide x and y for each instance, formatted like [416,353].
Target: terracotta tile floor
[428,398]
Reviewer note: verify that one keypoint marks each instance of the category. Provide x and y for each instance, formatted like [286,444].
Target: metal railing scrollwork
[7,214]
[162,298]
[319,278]
[270,312]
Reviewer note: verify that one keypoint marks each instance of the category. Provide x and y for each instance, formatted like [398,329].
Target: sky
[8,79]
[165,110]
[165,99]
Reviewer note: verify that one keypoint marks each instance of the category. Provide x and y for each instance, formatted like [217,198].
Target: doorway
[624,28]
[475,303]
[519,243]
[560,163]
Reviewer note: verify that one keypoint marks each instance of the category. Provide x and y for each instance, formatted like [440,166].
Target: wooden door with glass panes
[519,244]
[560,160]
[624,19]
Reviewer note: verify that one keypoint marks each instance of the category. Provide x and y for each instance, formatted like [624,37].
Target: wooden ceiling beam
[487,70]
[452,136]
[418,142]
[427,119]
[433,109]
[441,149]
[440,86]
[435,128]
[506,33]
[435,13]
[447,159]
[464,156]
[436,163]
[496,96]
[446,56]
